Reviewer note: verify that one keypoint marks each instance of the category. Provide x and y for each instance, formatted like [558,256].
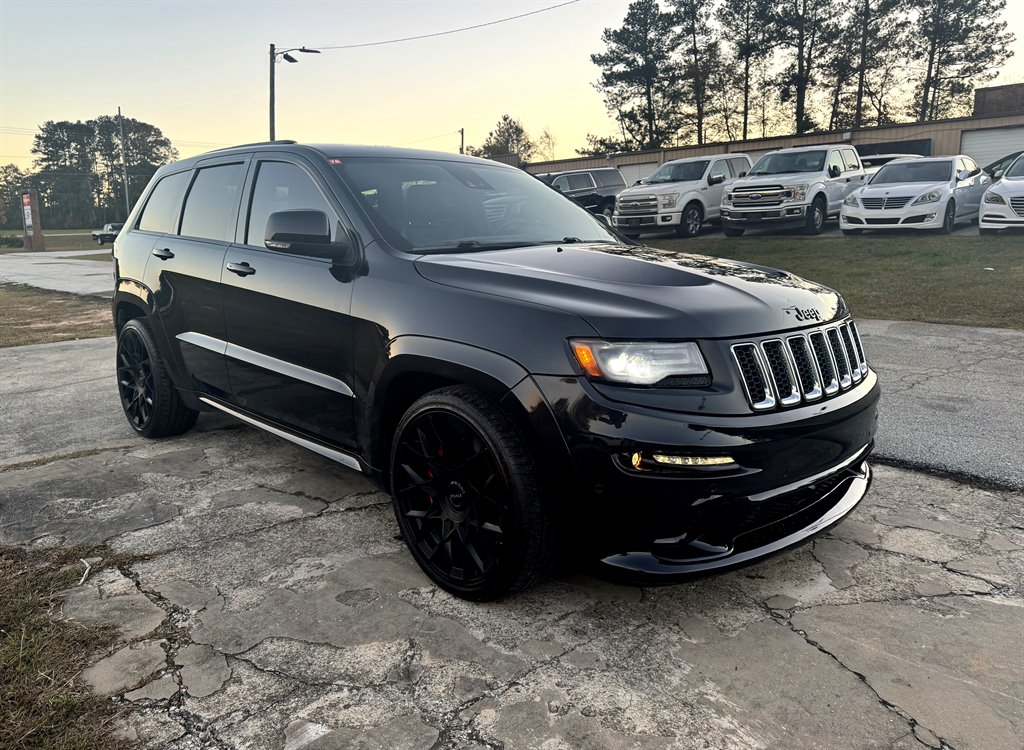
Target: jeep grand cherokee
[519,377]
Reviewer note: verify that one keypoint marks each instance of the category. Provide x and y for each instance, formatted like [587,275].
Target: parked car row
[804,187]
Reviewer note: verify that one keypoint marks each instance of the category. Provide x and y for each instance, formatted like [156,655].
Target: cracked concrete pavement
[273,608]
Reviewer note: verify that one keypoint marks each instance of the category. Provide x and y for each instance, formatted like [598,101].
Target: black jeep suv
[522,379]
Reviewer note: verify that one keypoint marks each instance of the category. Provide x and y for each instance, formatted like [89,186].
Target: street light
[274,54]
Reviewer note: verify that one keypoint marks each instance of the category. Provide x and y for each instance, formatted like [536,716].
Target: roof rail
[258,143]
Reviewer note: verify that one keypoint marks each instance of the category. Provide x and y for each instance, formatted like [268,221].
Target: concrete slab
[58,271]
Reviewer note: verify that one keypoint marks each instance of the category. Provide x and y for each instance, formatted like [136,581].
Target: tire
[948,218]
[729,231]
[691,220]
[449,447]
[151,404]
[100,242]
[852,232]
[607,210]
[985,232]
[816,217]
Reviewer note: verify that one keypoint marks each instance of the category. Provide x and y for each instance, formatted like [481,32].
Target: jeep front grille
[801,368]
[879,203]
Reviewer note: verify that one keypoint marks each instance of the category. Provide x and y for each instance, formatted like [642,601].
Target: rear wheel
[815,217]
[100,242]
[153,407]
[691,221]
[729,231]
[467,498]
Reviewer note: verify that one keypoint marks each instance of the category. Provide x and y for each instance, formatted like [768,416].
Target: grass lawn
[43,704]
[58,239]
[104,256]
[973,281]
[38,316]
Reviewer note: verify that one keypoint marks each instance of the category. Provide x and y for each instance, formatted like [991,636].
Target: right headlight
[727,197]
[668,200]
[799,192]
[994,198]
[851,200]
[637,362]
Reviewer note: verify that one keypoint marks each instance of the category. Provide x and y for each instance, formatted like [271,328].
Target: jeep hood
[659,188]
[639,292]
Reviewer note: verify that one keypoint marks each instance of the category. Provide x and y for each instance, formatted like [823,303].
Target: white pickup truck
[793,187]
[680,195]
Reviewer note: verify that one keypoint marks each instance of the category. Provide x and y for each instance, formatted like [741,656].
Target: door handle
[242,269]
[163,253]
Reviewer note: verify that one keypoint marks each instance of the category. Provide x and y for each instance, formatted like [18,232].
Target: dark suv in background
[594,189]
[522,380]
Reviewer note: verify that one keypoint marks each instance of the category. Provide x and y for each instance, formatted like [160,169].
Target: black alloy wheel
[466,498]
[691,221]
[150,402]
[949,218]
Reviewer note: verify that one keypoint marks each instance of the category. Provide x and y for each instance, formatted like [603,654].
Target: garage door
[633,172]
[986,146]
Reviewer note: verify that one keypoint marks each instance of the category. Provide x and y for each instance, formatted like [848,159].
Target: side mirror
[834,171]
[716,179]
[639,182]
[742,174]
[998,175]
[302,233]
[962,174]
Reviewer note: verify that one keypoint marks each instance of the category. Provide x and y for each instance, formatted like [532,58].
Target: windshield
[685,172]
[913,171]
[789,163]
[1016,169]
[431,205]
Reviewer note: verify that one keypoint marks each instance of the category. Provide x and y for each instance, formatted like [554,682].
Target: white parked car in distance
[1003,204]
[930,193]
[680,195]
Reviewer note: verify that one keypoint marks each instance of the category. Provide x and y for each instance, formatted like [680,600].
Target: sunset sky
[198,70]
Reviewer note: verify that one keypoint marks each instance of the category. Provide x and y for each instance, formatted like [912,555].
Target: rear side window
[580,181]
[850,157]
[281,186]
[739,165]
[562,183]
[609,178]
[161,209]
[212,203]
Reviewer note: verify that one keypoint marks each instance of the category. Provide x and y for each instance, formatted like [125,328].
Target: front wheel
[100,242]
[815,217]
[467,498]
[949,218]
[729,231]
[691,221]
[153,407]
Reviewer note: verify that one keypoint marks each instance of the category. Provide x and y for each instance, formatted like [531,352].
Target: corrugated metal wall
[945,136]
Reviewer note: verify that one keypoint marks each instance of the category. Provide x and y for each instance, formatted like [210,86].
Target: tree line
[78,172]
[695,71]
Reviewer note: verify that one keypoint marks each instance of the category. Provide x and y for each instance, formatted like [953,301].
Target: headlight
[851,200]
[799,192]
[727,198]
[637,363]
[931,197]
[669,200]
[994,198]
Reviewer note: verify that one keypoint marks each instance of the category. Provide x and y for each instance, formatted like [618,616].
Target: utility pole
[462,140]
[273,59]
[124,165]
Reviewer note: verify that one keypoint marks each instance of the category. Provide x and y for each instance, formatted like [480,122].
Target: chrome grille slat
[782,371]
[826,362]
[1017,204]
[754,376]
[839,357]
[851,352]
[880,203]
[806,367]
[860,348]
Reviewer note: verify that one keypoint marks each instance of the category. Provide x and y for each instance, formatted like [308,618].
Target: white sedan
[931,193]
[1003,204]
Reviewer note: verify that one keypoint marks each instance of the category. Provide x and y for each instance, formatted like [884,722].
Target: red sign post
[33,239]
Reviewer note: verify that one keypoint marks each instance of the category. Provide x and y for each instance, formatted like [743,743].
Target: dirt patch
[39,316]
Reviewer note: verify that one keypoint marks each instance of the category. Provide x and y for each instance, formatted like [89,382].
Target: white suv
[680,195]
[792,187]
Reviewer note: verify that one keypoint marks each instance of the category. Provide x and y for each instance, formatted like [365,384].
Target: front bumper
[785,215]
[924,216]
[997,216]
[649,222]
[797,472]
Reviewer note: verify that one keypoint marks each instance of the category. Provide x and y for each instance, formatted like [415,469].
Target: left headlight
[668,200]
[851,200]
[637,363]
[994,198]
[932,197]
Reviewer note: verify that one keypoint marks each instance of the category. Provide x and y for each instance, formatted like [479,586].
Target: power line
[450,31]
